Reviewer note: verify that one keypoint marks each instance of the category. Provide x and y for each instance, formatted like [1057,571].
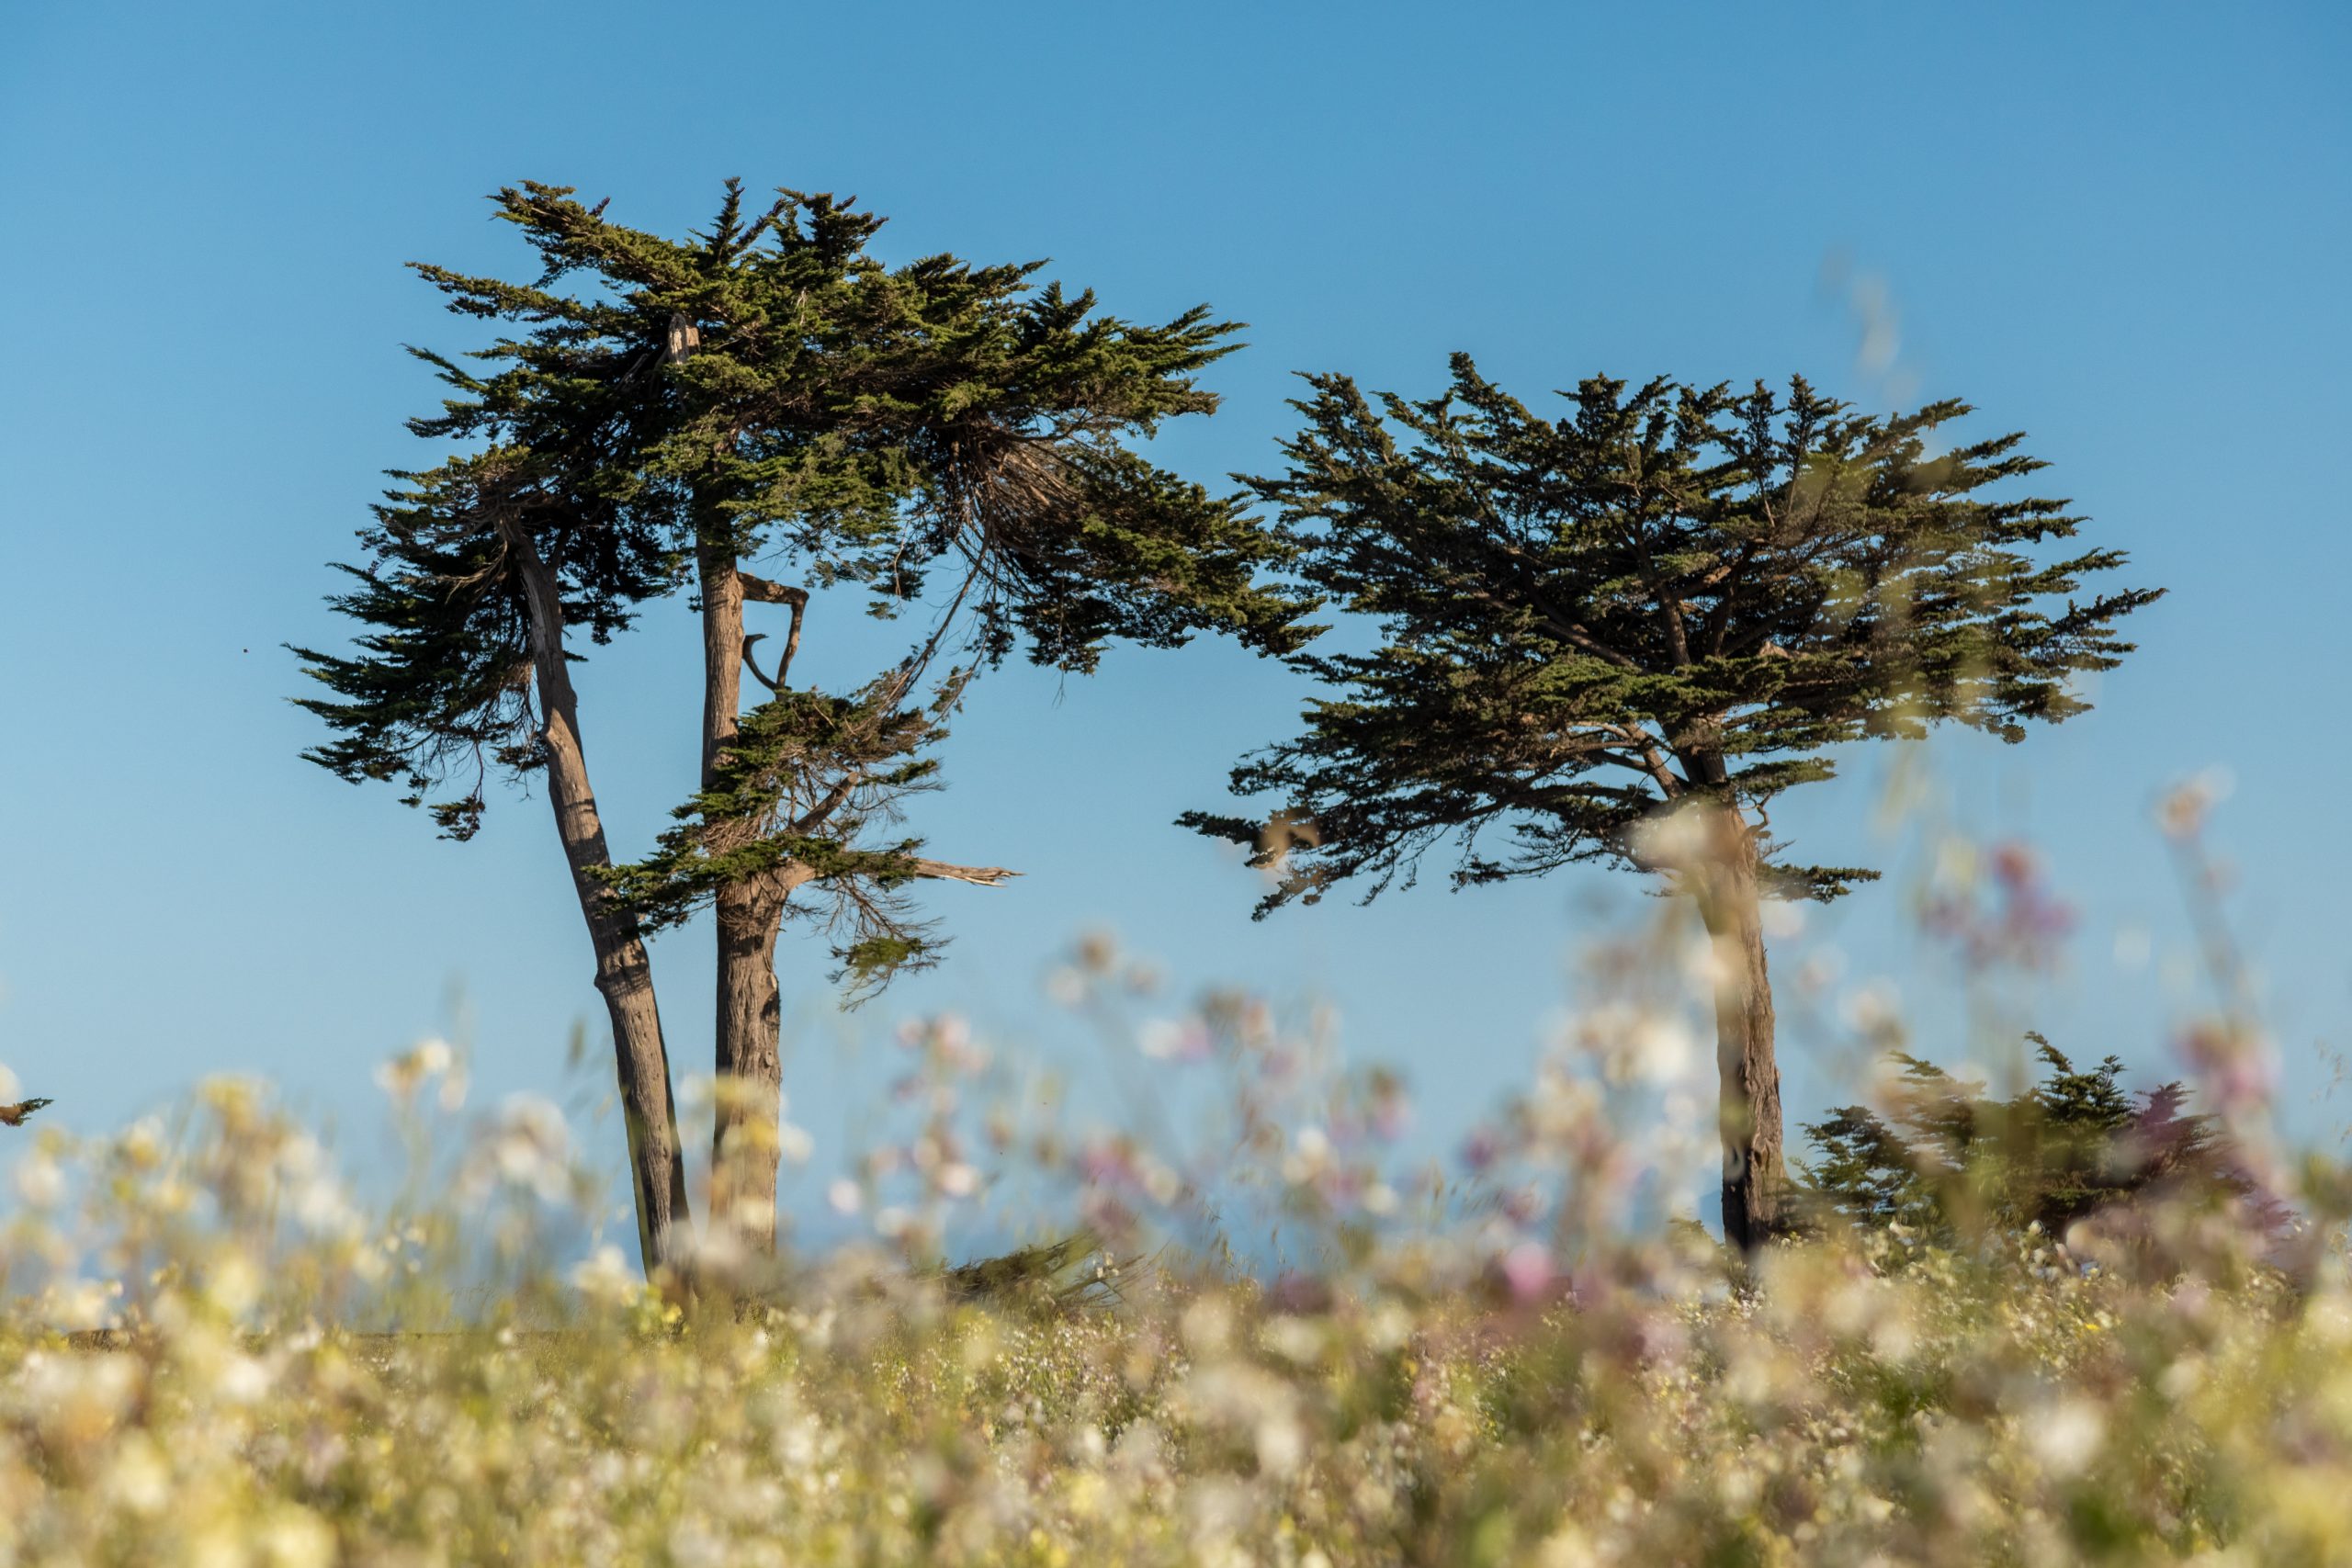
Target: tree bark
[1748,1108]
[623,972]
[723,650]
[747,1139]
[749,1112]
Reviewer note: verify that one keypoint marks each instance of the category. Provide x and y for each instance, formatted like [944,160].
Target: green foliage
[796,801]
[1951,1161]
[766,388]
[772,385]
[441,682]
[1670,591]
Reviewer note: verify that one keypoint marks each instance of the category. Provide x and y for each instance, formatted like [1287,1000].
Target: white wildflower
[2067,1437]
[40,1181]
[606,1276]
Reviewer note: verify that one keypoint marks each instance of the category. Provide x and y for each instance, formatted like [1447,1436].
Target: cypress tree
[954,441]
[1618,635]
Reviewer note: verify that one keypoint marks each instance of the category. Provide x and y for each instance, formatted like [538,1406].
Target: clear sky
[2122,229]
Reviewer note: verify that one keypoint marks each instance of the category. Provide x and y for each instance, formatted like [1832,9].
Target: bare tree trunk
[624,973]
[745,1140]
[1748,1111]
[723,650]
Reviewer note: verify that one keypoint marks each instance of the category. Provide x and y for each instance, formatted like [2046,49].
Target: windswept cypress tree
[952,440]
[1618,635]
[478,571]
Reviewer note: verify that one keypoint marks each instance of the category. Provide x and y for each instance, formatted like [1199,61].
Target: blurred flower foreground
[213,1352]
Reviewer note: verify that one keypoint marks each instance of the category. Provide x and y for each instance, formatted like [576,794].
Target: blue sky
[2119,228]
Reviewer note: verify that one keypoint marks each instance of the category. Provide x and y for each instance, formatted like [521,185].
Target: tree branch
[754,665]
[978,875]
[807,820]
[767,593]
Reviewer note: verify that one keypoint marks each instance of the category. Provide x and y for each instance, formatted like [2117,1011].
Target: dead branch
[754,665]
[768,592]
[978,875]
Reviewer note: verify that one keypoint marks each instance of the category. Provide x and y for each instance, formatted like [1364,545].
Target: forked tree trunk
[1748,1109]
[747,1139]
[624,973]
[750,1104]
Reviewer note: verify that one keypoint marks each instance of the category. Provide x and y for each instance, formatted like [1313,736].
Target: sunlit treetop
[1665,593]
[936,433]
[870,423]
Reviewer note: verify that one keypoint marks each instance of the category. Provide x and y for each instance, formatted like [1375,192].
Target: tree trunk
[723,650]
[745,1140]
[624,973]
[1749,1112]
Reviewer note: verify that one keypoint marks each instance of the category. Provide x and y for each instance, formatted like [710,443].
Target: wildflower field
[215,1352]
[1867,1398]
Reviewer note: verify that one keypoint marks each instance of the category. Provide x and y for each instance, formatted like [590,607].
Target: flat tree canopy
[1667,591]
